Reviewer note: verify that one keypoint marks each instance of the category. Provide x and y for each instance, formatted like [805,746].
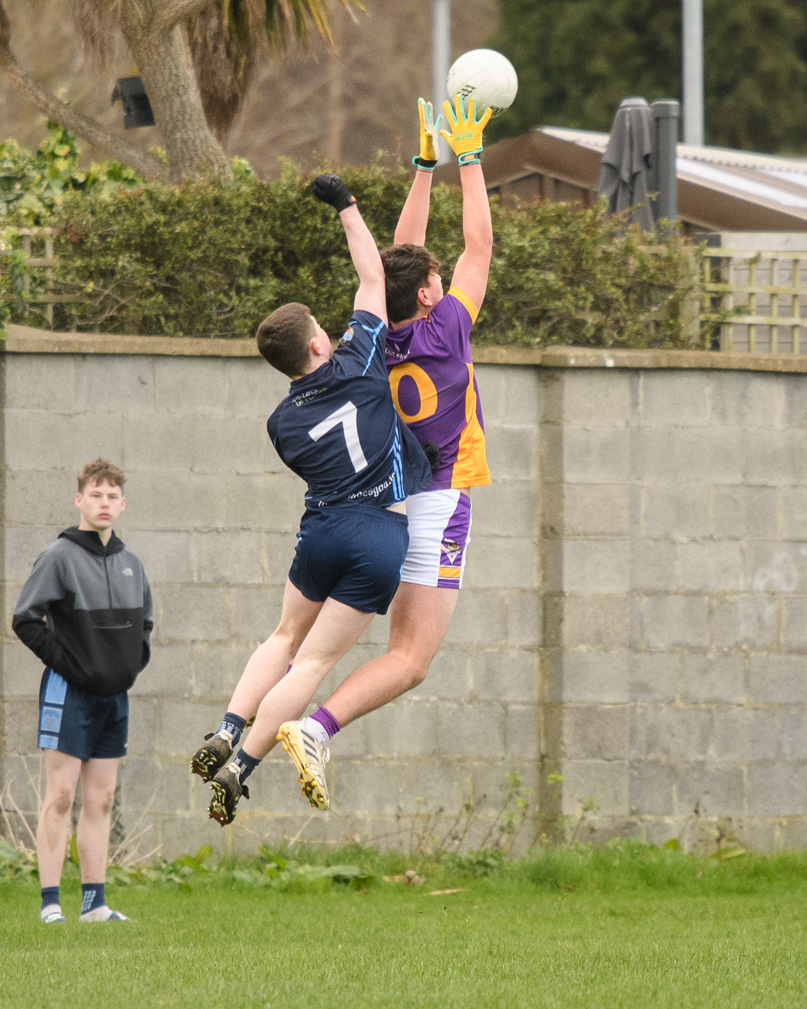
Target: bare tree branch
[88,129]
[174,12]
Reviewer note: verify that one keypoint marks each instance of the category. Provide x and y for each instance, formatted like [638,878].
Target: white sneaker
[310,757]
[51,915]
[103,914]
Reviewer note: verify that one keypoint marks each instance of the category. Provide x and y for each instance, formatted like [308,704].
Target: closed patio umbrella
[626,163]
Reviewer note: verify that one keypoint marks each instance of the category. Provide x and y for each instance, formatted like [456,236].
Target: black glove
[331,189]
[433,454]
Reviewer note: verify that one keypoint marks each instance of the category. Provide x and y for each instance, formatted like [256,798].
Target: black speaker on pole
[136,106]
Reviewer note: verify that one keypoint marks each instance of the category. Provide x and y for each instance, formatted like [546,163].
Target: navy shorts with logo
[352,553]
[80,724]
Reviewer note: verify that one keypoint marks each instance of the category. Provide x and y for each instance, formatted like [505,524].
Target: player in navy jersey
[434,388]
[338,429]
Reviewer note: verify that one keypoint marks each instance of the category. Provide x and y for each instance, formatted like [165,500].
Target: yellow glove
[465,138]
[428,131]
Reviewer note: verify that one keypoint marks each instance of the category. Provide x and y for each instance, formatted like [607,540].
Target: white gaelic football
[485,75]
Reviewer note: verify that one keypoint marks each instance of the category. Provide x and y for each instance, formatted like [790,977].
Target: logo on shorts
[451,550]
[128,571]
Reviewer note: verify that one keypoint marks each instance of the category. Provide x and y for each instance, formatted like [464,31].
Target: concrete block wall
[213,514]
[675,569]
[631,628]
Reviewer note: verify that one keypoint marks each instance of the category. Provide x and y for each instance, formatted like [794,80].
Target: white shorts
[439,532]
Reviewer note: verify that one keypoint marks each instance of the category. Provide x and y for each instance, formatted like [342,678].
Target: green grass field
[625,926]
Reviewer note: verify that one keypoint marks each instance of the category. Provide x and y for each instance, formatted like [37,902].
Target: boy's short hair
[406,270]
[283,338]
[101,471]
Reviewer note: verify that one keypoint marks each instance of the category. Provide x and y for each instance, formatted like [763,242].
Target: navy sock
[92,896]
[234,724]
[50,895]
[245,764]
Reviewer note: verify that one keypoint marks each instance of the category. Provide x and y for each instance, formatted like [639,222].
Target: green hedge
[211,259]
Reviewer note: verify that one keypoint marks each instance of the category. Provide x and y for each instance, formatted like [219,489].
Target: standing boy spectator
[337,429]
[86,612]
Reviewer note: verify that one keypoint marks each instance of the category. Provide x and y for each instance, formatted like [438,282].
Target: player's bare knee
[294,646]
[415,673]
[60,800]
[418,676]
[288,638]
[99,804]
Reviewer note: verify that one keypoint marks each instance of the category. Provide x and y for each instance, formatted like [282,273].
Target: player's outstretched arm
[465,139]
[473,265]
[415,214]
[371,295]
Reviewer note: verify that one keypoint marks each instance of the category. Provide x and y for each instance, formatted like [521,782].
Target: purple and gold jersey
[434,389]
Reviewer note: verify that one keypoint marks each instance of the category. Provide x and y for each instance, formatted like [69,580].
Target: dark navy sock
[50,895]
[234,724]
[92,896]
[245,764]
[326,720]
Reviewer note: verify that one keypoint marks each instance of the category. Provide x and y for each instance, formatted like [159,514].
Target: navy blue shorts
[80,724]
[352,554]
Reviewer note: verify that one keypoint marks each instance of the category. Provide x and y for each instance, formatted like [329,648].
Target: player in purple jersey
[338,429]
[435,393]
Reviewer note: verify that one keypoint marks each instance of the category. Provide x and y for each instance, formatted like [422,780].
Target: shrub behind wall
[211,259]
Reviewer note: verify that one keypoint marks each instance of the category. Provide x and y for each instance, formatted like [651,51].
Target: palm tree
[196,59]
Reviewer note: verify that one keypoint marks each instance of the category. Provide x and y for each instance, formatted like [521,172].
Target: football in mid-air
[485,75]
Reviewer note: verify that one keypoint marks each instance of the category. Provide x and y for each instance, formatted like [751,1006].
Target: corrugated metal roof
[759,186]
[765,180]
[718,189]
[710,155]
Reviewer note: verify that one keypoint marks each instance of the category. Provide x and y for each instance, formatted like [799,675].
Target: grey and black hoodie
[86,612]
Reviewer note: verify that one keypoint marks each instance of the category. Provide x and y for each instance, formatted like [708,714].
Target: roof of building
[718,189]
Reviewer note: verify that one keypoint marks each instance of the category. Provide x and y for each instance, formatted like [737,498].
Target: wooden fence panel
[765,292]
[38,246]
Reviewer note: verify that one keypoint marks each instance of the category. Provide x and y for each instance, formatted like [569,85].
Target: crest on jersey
[347,336]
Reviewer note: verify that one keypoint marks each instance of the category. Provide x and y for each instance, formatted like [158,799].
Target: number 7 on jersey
[347,416]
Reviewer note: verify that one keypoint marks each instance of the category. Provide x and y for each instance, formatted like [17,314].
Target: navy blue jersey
[338,428]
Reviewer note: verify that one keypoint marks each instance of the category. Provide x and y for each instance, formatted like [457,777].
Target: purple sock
[326,720]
